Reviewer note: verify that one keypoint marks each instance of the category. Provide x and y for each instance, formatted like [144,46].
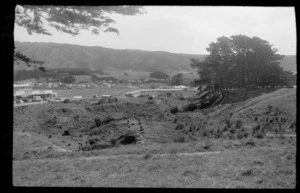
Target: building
[181,87]
[154,92]
[24,91]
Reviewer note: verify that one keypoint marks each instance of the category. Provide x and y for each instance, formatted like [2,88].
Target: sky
[186,29]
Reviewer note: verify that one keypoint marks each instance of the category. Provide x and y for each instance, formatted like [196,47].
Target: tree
[177,79]
[239,61]
[159,75]
[69,19]
[19,57]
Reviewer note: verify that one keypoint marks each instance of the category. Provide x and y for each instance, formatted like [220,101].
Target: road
[101,157]
[26,104]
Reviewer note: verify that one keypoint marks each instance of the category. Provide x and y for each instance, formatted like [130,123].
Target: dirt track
[121,156]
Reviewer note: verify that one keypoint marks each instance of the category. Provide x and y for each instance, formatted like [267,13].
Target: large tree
[159,75]
[177,80]
[239,61]
[68,19]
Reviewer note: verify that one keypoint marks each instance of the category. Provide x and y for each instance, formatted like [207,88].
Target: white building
[22,91]
[181,87]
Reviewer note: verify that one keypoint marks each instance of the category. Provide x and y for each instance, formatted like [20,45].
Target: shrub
[238,124]
[174,110]
[259,135]
[181,98]
[247,172]
[207,145]
[67,101]
[228,123]
[180,139]
[98,122]
[179,126]
[270,107]
[147,156]
[240,135]
[232,130]
[168,94]
[250,142]
[150,102]
[150,97]
[231,136]
[255,129]
[190,107]
[175,120]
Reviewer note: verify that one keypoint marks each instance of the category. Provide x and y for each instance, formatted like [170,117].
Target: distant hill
[76,56]
[106,59]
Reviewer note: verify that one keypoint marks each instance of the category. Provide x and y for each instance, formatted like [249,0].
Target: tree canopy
[240,62]
[68,19]
[177,80]
[159,75]
[71,19]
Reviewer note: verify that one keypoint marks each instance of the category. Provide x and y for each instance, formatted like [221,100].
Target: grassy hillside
[75,56]
[164,155]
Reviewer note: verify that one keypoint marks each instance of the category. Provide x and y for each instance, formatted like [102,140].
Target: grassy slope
[270,165]
[234,167]
[72,56]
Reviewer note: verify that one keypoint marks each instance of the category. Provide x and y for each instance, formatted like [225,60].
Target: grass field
[265,165]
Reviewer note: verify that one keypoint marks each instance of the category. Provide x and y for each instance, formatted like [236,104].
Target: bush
[175,120]
[228,123]
[180,139]
[250,142]
[159,75]
[168,94]
[150,97]
[179,126]
[270,107]
[181,98]
[240,135]
[238,124]
[259,135]
[174,110]
[98,122]
[150,102]
[232,130]
[67,101]
[112,100]
[190,107]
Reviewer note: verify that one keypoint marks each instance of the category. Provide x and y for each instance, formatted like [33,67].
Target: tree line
[240,61]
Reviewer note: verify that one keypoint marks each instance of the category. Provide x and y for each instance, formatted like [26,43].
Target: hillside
[76,56]
[138,143]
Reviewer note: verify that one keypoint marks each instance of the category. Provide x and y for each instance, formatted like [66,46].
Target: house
[181,87]
[24,91]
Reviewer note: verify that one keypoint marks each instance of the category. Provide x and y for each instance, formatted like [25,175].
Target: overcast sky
[186,29]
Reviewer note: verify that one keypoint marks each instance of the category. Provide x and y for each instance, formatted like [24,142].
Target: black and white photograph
[146,96]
